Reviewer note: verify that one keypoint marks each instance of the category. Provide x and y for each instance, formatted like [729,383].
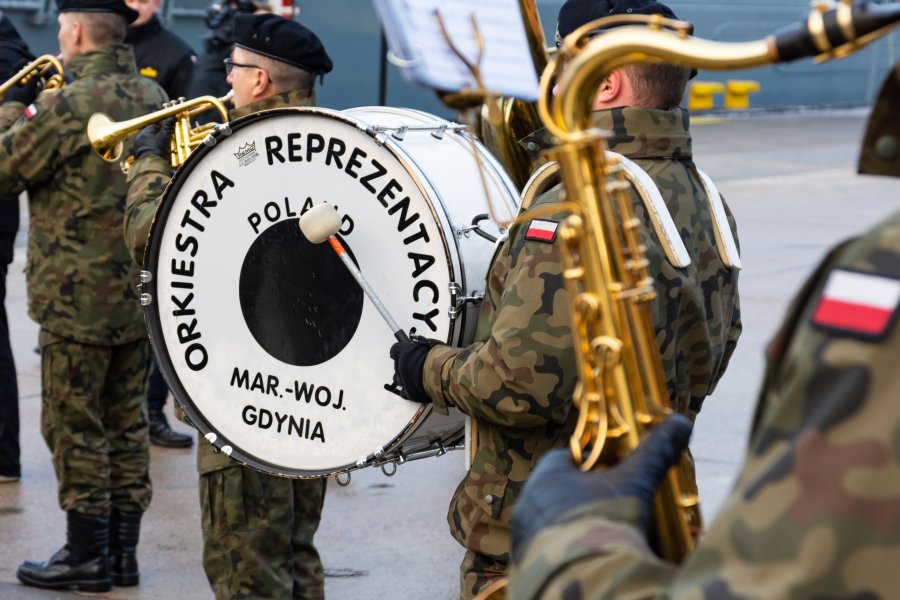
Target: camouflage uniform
[257,528]
[814,513]
[81,282]
[517,379]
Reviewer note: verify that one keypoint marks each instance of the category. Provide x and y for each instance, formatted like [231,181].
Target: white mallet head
[320,222]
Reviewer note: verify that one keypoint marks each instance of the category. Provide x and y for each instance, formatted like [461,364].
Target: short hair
[659,86]
[103,28]
[285,77]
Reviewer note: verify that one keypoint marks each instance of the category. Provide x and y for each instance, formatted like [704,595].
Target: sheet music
[415,37]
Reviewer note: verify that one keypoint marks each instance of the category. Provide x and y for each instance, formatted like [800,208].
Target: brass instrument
[108,137]
[39,67]
[621,392]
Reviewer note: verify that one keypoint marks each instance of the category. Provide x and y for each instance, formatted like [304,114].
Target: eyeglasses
[230,65]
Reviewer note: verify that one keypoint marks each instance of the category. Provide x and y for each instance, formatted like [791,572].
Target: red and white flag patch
[858,304]
[31,111]
[542,231]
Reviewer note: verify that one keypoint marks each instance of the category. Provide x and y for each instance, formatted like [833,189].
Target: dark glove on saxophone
[154,139]
[557,486]
[409,362]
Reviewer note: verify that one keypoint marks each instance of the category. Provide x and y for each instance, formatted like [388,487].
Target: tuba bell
[39,67]
[107,137]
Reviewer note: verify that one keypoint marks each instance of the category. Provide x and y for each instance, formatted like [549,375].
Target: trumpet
[39,67]
[107,137]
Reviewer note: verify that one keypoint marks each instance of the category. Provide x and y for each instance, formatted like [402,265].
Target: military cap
[111,6]
[281,39]
[575,13]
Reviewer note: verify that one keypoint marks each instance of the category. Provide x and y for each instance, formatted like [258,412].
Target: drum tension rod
[458,300]
[398,133]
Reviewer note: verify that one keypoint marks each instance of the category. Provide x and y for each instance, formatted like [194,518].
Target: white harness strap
[663,225]
[728,250]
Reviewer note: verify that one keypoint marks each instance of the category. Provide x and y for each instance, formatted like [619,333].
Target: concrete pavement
[790,180]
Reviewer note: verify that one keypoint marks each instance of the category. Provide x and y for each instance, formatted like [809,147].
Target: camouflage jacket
[517,379]
[815,512]
[148,178]
[81,281]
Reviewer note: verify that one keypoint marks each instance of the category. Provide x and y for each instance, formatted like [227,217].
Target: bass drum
[264,338]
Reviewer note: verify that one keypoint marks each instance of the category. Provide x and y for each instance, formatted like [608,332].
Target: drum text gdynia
[283,422]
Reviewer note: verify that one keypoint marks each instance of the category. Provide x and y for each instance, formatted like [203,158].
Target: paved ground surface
[790,180]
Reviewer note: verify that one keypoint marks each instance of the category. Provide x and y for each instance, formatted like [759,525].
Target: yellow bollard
[737,93]
[702,94]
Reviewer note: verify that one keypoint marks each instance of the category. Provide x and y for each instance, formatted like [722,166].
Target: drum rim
[153,321]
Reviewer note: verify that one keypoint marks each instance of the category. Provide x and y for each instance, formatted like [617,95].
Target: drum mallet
[320,223]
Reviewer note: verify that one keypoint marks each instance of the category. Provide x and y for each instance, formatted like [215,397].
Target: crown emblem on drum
[245,150]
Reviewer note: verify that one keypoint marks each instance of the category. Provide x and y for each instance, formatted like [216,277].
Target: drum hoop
[154,322]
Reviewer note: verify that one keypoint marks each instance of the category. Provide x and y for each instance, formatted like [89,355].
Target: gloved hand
[409,362]
[26,94]
[154,139]
[557,486]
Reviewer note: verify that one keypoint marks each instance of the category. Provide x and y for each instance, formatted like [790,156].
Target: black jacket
[14,54]
[163,56]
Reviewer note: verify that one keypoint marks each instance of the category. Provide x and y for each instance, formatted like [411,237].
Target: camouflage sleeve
[515,377]
[147,179]
[33,148]
[592,552]
[815,511]
[9,114]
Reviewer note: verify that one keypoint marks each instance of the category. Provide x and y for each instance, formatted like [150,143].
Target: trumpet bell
[101,131]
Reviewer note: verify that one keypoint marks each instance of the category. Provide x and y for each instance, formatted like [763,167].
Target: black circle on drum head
[299,301]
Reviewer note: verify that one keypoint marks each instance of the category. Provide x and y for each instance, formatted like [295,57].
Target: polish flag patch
[858,304]
[31,112]
[542,231]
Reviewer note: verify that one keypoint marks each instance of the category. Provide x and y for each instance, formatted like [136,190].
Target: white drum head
[263,337]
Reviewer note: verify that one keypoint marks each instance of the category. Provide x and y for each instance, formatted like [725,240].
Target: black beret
[282,39]
[575,13]
[111,6]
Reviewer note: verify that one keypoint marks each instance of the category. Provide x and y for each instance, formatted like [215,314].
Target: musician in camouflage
[814,512]
[517,378]
[257,528]
[81,290]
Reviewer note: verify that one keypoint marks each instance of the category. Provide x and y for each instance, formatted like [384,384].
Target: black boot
[82,564]
[162,435]
[125,529]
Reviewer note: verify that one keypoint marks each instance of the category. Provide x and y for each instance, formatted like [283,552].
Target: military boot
[82,564]
[124,530]
[162,435]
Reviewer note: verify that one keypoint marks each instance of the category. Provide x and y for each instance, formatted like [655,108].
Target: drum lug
[146,276]
[458,301]
[146,299]
[439,132]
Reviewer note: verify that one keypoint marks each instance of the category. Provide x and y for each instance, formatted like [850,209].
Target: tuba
[39,67]
[621,393]
[107,137]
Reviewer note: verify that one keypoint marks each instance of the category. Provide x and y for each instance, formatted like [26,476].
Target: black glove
[26,94]
[557,486]
[409,362]
[155,139]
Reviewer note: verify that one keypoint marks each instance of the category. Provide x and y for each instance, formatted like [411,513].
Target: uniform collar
[663,133]
[112,58]
[286,99]
[647,133]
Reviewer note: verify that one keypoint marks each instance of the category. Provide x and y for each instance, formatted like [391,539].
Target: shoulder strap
[728,250]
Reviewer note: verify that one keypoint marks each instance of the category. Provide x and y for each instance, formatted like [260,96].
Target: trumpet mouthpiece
[320,222]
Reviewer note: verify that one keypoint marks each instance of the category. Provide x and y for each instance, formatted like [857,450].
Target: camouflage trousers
[476,572]
[258,533]
[94,420]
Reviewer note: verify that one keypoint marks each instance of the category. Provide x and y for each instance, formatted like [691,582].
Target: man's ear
[610,90]
[261,83]
[77,33]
